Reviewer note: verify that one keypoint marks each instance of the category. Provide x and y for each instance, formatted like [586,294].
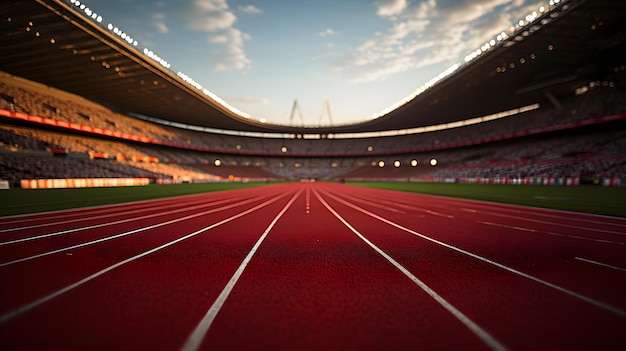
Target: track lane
[550,257]
[612,227]
[197,336]
[569,321]
[64,240]
[10,223]
[88,220]
[327,289]
[55,269]
[19,226]
[155,301]
[87,313]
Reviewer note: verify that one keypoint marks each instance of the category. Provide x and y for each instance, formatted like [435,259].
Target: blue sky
[361,56]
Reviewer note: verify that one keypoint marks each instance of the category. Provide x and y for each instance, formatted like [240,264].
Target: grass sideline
[590,199]
[609,201]
[19,201]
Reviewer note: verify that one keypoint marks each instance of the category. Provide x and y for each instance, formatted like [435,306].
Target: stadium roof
[564,48]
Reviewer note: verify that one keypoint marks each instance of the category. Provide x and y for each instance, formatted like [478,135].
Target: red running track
[312,266]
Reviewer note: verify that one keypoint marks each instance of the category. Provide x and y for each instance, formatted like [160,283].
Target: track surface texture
[312,266]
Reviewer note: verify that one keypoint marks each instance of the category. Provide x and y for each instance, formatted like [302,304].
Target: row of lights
[152,55]
[397,163]
[87,10]
[285,149]
[30,27]
[530,18]
[120,33]
[90,13]
[473,55]
[381,164]
[208,93]
[522,60]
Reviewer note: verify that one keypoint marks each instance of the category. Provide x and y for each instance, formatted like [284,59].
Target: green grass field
[16,201]
[591,199]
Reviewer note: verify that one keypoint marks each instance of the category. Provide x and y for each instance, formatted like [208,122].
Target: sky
[358,57]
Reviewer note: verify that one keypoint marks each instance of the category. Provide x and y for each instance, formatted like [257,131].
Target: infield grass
[585,198]
[17,201]
[590,199]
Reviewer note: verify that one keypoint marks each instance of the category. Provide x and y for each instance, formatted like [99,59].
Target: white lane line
[507,226]
[372,203]
[28,217]
[16,312]
[602,305]
[552,223]
[552,233]
[471,325]
[68,231]
[89,218]
[108,238]
[534,211]
[413,208]
[196,337]
[600,264]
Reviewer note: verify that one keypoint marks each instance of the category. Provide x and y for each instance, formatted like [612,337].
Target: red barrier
[81,183]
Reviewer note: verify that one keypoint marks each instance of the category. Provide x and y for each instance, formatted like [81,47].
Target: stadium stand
[494,149]
[572,130]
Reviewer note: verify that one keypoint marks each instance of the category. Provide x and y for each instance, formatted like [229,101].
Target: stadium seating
[495,149]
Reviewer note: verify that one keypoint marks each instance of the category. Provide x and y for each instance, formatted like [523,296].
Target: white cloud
[212,21]
[210,5]
[250,9]
[428,32]
[215,17]
[210,15]
[159,24]
[235,57]
[327,32]
[382,72]
[161,27]
[390,7]
[218,39]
